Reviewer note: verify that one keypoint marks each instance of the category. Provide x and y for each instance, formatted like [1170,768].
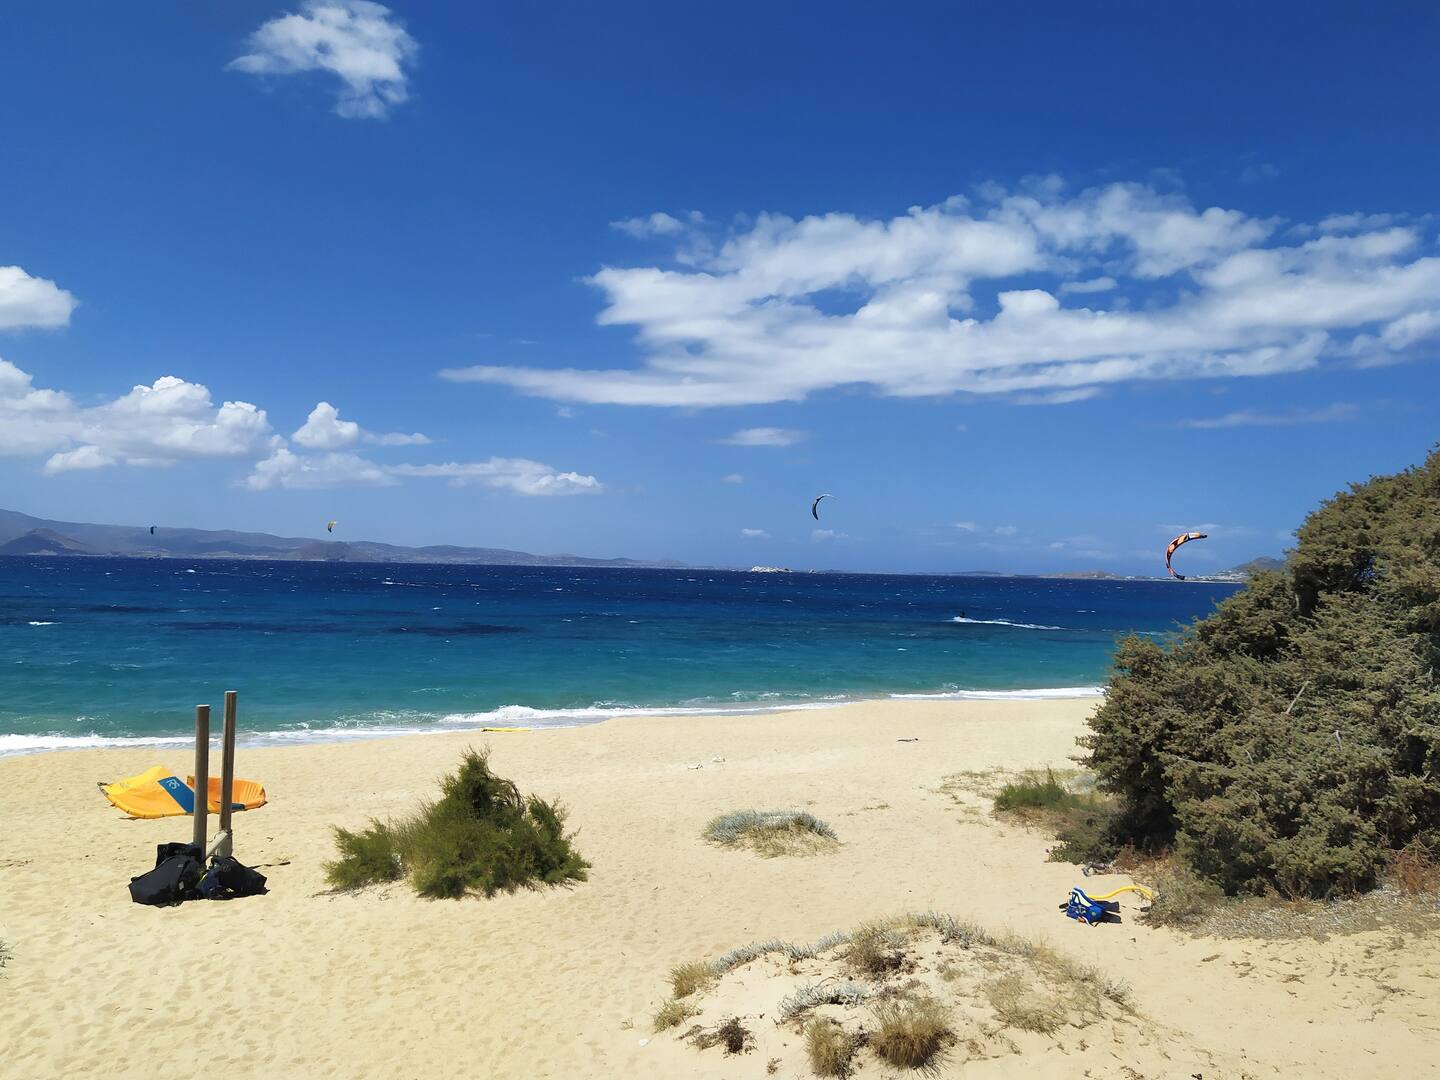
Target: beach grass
[687,978]
[671,1014]
[911,1034]
[772,833]
[829,1047]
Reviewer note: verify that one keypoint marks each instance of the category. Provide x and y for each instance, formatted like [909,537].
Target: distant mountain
[21,534]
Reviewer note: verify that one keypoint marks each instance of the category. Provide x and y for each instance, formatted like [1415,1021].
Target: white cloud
[824,535]
[967,526]
[357,41]
[515,474]
[1251,418]
[324,430]
[1057,397]
[658,224]
[1094,285]
[732,478]
[1005,530]
[1199,293]
[765,436]
[32,301]
[169,421]
[286,469]
[1345,223]
[565,412]
[755,534]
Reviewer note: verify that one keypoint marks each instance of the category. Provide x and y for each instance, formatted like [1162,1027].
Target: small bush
[875,950]
[732,1035]
[671,1014]
[772,832]
[812,995]
[829,1046]
[685,979]
[482,836]
[5,954]
[1018,1004]
[1083,821]
[1414,870]
[1182,898]
[911,1034]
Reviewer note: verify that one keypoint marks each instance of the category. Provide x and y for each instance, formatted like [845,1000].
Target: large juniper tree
[1292,739]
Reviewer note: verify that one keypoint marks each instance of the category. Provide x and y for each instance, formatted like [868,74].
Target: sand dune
[562,983]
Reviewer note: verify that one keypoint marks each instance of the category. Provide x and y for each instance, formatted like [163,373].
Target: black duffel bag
[228,878]
[175,879]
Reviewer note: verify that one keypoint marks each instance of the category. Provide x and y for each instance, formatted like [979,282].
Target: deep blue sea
[94,651]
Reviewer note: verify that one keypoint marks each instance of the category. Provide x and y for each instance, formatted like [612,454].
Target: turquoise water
[101,650]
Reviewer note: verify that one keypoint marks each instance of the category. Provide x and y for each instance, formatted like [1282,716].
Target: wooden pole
[227,773]
[202,774]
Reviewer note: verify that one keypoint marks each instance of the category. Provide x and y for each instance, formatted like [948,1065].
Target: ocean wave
[1057,693]
[36,622]
[528,716]
[1005,622]
[29,744]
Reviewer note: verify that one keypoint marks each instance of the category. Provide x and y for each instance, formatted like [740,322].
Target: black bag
[174,879]
[228,878]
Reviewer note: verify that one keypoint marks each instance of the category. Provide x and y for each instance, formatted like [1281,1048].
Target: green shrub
[1083,821]
[481,836]
[365,857]
[671,1014]
[1291,741]
[1035,791]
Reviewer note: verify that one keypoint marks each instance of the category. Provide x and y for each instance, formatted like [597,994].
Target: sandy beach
[563,982]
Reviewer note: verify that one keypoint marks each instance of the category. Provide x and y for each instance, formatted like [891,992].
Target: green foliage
[1083,821]
[1183,898]
[1291,741]
[365,857]
[482,835]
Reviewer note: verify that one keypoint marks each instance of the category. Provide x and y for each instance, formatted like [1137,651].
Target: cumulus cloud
[1251,418]
[32,301]
[286,469]
[324,430]
[929,303]
[357,41]
[168,421]
[755,534]
[657,224]
[765,436]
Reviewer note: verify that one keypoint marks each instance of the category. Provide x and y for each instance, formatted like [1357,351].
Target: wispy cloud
[732,478]
[755,534]
[967,526]
[1005,530]
[740,323]
[765,436]
[357,41]
[822,536]
[1251,418]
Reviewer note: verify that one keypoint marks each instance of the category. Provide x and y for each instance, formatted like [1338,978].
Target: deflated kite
[1183,538]
[815,506]
[330,526]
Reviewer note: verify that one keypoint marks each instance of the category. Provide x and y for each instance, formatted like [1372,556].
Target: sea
[102,651]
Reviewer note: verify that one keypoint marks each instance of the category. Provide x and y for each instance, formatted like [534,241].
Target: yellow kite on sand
[158,792]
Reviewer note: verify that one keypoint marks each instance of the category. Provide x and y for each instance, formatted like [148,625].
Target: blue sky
[1022,292]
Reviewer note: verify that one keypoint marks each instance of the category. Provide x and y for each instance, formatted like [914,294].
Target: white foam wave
[36,622]
[1005,622]
[1058,693]
[30,744]
[526,716]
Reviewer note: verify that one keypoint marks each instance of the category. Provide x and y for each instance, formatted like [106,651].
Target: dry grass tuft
[1414,870]
[1018,1004]
[772,833]
[732,1035]
[875,950]
[1183,898]
[671,1014]
[911,1034]
[829,1047]
[687,978]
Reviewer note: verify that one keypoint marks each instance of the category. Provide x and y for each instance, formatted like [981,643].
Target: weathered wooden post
[202,775]
[224,841]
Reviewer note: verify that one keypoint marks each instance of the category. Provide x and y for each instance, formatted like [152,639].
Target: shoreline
[563,982]
[529,717]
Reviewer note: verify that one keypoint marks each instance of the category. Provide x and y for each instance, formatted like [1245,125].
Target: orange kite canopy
[1183,538]
[158,792]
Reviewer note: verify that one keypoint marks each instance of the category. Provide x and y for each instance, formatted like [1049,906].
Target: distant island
[21,534]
